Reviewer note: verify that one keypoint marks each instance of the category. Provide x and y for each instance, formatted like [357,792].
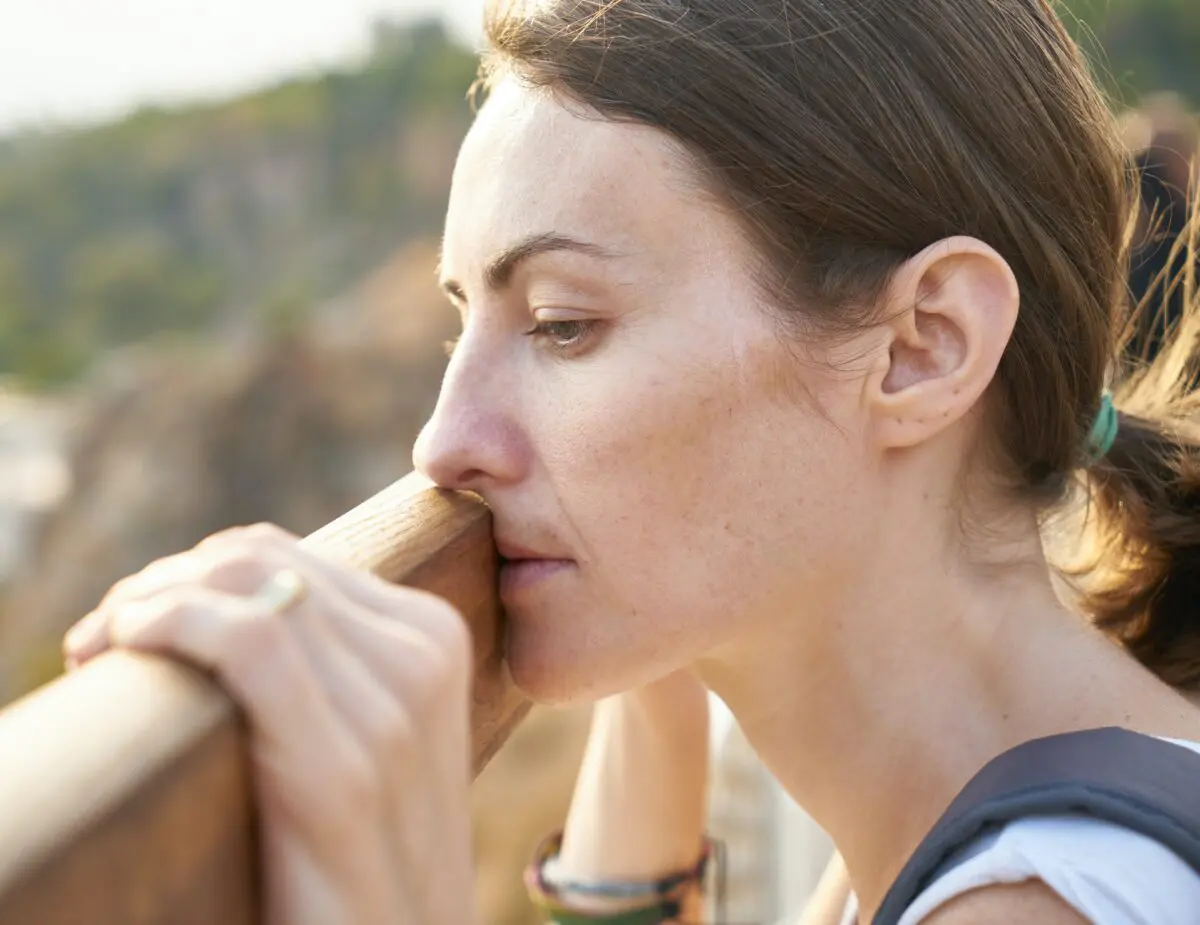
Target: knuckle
[436,674]
[359,782]
[249,533]
[251,642]
[442,622]
[220,538]
[393,731]
[166,606]
[452,634]
[264,532]
[126,587]
[236,569]
[133,621]
[432,650]
[151,575]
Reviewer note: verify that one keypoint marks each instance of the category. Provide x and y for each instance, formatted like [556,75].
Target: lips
[515,552]
[522,567]
[518,575]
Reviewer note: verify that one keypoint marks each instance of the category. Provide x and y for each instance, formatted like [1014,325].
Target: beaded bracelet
[662,899]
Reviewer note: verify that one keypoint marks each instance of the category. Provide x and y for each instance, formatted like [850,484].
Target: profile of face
[628,404]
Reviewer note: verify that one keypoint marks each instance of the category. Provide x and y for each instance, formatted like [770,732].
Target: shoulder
[1003,904]
[1062,868]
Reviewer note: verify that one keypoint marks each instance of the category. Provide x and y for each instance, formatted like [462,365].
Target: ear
[952,309]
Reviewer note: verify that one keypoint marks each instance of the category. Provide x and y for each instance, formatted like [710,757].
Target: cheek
[637,463]
[692,493]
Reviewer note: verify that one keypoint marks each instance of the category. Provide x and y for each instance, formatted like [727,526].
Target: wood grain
[125,794]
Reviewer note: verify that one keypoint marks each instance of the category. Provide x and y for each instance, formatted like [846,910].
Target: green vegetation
[253,210]
[1140,46]
[225,214]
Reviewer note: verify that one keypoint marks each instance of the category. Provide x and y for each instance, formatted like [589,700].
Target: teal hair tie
[1104,428]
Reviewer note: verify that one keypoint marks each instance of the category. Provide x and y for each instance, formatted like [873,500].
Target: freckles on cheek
[648,450]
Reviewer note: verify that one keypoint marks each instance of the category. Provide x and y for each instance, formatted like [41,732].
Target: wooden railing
[125,797]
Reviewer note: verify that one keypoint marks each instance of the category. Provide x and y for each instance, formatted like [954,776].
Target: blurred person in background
[1164,158]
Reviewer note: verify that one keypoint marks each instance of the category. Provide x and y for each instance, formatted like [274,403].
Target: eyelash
[546,330]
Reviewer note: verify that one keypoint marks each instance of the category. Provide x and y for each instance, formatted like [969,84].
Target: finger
[237,571]
[85,640]
[314,776]
[228,560]
[365,701]
[397,690]
[240,559]
[168,571]
[381,622]
[424,667]
[394,718]
[89,636]
[360,585]
[366,694]
[248,647]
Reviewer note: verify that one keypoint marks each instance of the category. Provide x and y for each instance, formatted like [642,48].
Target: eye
[563,336]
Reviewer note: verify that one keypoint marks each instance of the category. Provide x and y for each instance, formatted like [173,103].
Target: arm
[639,807]
[1030,901]
[828,903]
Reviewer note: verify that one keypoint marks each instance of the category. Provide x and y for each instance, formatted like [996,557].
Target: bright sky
[66,60]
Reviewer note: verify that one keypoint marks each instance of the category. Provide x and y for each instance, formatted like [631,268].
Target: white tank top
[1108,874]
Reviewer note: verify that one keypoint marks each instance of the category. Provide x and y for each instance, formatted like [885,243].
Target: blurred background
[218,226]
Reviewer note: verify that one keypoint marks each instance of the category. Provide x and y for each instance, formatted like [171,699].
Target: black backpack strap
[1136,781]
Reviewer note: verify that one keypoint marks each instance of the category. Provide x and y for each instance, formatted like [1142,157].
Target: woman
[785,324]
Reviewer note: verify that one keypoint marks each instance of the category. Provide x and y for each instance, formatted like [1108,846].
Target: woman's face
[624,401]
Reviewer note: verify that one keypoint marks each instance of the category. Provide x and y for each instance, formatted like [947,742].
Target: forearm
[639,808]
[827,905]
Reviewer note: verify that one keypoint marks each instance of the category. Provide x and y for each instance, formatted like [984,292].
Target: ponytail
[1139,569]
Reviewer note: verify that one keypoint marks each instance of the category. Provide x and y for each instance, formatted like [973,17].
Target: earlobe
[952,309]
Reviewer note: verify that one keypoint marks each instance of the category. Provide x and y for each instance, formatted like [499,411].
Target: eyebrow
[500,269]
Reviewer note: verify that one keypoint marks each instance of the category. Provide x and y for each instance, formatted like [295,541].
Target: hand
[357,695]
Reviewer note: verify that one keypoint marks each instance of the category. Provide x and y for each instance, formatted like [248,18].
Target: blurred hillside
[224,216]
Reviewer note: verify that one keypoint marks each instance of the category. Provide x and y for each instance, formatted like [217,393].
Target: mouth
[522,568]
[518,575]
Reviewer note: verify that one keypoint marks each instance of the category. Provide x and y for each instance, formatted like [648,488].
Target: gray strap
[1135,781]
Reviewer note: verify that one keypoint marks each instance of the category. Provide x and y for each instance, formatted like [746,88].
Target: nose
[472,441]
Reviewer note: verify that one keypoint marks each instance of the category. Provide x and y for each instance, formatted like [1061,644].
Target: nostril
[471,478]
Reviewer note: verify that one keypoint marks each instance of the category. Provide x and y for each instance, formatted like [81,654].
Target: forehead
[533,164]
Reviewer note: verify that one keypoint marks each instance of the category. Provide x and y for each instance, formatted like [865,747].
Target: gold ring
[282,591]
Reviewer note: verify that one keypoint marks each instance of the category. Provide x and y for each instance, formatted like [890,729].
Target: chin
[555,668]
[546,681]
[556,672]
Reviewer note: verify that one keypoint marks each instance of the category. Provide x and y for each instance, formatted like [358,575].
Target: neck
[875,703]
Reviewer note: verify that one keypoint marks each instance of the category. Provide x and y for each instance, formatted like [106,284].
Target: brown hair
[848,137]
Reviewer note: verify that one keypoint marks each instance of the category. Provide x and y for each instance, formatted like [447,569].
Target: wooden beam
[125,796]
